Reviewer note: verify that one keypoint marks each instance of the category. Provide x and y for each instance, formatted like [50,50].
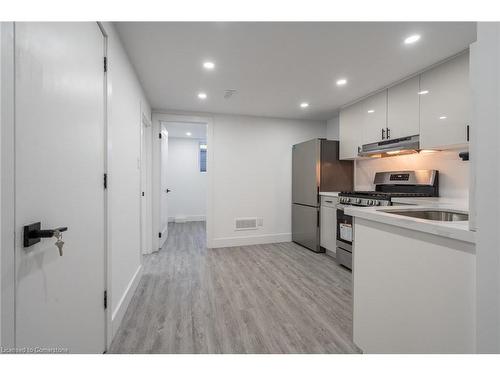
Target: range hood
[391,147]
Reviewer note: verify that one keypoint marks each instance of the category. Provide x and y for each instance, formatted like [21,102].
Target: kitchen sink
[431,214]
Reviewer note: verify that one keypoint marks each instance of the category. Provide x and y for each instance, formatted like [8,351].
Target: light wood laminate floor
[275,298]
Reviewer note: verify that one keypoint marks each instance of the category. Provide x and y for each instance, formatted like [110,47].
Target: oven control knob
[358,201]
[377,203]
[370,203]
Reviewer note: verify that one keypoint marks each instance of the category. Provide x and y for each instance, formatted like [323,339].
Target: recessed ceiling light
[188,134]
[371,111]
[412,39]
[341,82]
[209,65]
[423,92]
[304,105]
[202,95]
[442,117]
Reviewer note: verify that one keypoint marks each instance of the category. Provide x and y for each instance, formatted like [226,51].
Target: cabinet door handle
[388,133]
[329,201]
[383,133]
[467,132]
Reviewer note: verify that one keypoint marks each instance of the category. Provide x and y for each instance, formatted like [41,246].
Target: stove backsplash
[453,172]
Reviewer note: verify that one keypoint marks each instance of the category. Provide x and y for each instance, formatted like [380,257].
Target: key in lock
[59,243]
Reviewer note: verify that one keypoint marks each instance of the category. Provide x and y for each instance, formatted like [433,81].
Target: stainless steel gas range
[388,185]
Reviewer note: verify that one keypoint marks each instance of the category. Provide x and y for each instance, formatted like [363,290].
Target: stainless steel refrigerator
[315,167]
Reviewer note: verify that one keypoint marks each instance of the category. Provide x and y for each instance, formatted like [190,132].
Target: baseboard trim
[121,308]
[163,237]
[185,219]
[250,240]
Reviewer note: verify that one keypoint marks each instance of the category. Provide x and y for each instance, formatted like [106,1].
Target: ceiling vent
[228,93]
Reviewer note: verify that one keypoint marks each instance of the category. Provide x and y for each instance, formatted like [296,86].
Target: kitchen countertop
[329,193]
[458,230]
[452,203]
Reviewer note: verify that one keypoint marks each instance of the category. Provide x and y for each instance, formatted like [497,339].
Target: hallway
[275,298]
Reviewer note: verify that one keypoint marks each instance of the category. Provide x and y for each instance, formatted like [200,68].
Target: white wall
[485,154]
[125,98]
[332,129]
[252,172]
[453,172]
[249,173]
[188,198]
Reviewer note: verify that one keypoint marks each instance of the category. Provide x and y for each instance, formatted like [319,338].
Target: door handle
[33,233]
[383,133]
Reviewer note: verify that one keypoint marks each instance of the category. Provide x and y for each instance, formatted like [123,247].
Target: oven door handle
[341,206]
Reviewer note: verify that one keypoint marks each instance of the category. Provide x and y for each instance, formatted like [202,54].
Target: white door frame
[107,217]
[7,169]
[145,202]
[158,118]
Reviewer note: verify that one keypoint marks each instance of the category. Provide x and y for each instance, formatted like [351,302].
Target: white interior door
[164,190]
[59,153]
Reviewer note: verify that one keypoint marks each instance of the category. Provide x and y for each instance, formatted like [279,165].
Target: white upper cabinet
[350,132]
[373,113]
[436,105]
[403,109]
[445,109]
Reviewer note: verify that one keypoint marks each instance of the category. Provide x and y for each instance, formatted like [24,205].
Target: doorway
[184,173]
[181,173]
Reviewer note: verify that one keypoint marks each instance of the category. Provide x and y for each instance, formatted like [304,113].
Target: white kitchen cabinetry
[350,131]
[413,292]
[328,222]
[440,114]
[445,109]
[373,114]
[403,109]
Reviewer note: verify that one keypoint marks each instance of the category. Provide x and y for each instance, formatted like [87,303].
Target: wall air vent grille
[245,223]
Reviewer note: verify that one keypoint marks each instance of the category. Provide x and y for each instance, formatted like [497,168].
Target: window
[203,157]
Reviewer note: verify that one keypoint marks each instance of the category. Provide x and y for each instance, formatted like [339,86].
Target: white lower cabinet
[414,292]
[328,222]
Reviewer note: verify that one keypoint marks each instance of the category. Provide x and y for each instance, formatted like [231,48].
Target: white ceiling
[179,130]
[275,66]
